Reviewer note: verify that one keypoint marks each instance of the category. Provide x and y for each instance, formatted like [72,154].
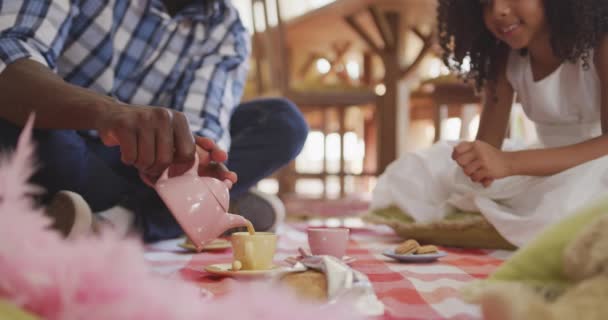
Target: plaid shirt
[134,51]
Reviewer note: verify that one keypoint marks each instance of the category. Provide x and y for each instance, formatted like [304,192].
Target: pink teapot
[199,204]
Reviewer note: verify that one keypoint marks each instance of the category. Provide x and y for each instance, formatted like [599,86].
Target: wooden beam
[284,67]
[387,104]
[407,71]
[428,43]
[419,33]
[382,25]
[257,53]
[339,52]
[331,99]
[342,132]
[368,68]
[310,61]
[350,20]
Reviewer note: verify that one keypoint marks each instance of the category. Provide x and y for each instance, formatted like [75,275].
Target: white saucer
[345,259]
[410,257]
[217,244]
[225,270]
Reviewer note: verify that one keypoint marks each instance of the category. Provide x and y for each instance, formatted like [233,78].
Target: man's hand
[150,138]
[482,162]
[211,159]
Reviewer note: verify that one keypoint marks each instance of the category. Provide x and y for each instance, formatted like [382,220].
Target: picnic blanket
[408,291]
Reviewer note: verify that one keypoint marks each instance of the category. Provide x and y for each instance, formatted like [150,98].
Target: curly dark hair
[576,26]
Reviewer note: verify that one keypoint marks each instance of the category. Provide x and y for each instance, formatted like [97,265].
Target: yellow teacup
[253,251]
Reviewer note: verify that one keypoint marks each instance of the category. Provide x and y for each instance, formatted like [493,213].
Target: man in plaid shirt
[127,88]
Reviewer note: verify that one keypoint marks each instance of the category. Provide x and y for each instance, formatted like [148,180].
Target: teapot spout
[234,221]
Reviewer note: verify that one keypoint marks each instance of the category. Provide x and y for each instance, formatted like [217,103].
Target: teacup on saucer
[328,241]
[254,251]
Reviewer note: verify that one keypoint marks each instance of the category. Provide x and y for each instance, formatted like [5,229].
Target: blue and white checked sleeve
[217,86]
[34,29]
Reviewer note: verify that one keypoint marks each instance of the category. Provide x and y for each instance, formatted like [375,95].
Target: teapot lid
[219,191]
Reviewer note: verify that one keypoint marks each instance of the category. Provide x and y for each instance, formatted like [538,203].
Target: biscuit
[409,246]
[309,284]
[426,249]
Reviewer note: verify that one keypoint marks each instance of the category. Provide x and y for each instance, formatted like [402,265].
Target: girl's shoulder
[516,64]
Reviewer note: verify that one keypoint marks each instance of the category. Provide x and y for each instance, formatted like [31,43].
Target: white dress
[565,107]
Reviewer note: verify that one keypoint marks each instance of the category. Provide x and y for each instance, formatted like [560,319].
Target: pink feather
[106,277]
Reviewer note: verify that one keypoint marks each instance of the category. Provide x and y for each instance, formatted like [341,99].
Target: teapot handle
[193,171]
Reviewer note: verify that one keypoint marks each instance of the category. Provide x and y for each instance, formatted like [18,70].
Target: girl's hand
[482,162]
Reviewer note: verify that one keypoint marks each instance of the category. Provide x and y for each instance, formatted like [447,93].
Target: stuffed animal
[561,275]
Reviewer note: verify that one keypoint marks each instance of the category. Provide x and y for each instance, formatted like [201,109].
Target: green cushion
[540,262]
[9,311]
[461,229]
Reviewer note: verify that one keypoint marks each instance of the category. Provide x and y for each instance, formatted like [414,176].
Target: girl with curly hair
[554,55]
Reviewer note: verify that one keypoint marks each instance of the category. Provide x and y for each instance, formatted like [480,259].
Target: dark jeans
[266,134]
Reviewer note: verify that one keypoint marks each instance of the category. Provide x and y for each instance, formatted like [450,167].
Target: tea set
[200,206]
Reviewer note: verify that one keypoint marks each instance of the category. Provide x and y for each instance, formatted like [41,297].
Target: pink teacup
[199,204]
[328,241]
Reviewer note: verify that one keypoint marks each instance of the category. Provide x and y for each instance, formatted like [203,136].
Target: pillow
[462,229]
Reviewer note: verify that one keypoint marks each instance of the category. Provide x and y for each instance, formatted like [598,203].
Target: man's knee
[62,151]
[59,155]
[293,129]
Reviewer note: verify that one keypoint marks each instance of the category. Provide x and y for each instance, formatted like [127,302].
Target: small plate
[225,269]
[426,257]
[217,244]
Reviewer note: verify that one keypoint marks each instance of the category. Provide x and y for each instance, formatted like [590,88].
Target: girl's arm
[554,160]
[491,163]
[497,102]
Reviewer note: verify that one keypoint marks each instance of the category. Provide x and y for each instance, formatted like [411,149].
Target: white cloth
[565,107]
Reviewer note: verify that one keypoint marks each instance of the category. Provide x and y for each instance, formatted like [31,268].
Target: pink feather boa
[106,277]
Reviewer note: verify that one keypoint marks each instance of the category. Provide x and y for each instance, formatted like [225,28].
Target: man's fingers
[146,150]
[164,151]
[183,139]
[231,175]
[204,158]
[227,174]
[218,171]
[109,139]
[128,146]
[205,143]
[217,154]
